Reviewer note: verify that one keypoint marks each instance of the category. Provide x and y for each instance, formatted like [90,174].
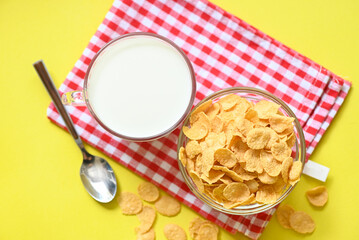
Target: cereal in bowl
[239,152]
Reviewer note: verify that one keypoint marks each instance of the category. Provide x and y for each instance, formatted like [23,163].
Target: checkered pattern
[225,51]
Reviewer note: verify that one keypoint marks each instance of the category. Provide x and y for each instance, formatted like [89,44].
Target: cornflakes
[239,152]
[195,226]
[207,231]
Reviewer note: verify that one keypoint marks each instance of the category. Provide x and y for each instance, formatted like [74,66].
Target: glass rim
[176,124]
[251,208]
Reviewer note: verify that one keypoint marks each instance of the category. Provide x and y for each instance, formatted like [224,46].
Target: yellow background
[41,195]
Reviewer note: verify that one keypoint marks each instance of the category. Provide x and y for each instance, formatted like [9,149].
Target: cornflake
[150,235]
[130,203]
[202,229]
[174,232]
[146,217]
[301,222]
[283,213]
[167,206]
[239,152]
[148,192]
[317,196]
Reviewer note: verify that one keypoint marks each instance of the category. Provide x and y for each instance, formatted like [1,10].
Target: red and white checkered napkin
[225,51]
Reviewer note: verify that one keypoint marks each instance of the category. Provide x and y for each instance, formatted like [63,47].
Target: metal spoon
[96,174]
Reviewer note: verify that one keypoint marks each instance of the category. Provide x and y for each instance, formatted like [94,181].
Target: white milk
[139,86]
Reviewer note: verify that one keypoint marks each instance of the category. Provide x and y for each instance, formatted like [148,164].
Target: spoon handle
[51,89]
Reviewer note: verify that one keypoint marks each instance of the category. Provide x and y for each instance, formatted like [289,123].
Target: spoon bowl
[98,178]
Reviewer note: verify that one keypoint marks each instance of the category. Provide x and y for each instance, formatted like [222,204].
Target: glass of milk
[139,87]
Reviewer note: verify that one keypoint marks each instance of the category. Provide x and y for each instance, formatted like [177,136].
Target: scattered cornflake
[167,206]
[283,212]
[174,232]
[130,203]
[146,217]
[301,222]
[317,196]
[195,226]
[207,231]
[150,235]
[148,192]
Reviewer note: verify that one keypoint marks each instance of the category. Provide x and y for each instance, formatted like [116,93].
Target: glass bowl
[298,150]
